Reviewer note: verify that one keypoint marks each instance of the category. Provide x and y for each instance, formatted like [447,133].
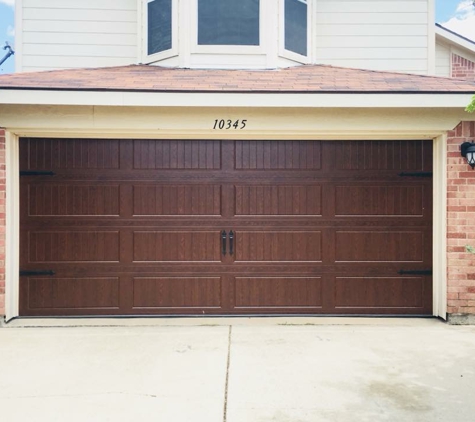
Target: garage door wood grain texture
[134,227]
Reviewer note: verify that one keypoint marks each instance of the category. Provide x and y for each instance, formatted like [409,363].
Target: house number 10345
[229,124]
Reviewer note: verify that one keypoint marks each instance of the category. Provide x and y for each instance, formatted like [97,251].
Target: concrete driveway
[237,370]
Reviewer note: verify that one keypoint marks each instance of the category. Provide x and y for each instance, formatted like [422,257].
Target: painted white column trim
[431,38]
[140,32]
[19,36]
[184,36]
[12,235]
[439,238]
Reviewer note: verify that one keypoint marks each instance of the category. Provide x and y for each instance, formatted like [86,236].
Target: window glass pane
[296,26]
[228,22]
[159,26]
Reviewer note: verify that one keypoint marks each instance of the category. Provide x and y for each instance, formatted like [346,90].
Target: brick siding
[462,68]
[2,222]
[460,223]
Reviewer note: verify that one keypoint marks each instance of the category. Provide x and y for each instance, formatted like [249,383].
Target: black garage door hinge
[37,173]
[415,272]
[416,174]
[33,273]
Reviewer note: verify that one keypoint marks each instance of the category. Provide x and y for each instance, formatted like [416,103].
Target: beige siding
[373,34]
[442,60]
[59,34]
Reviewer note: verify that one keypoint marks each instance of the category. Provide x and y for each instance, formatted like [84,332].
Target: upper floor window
[295,26]
[226,33]
[228,22]
[159,24]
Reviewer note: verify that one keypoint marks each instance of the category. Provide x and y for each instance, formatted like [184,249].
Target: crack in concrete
[225,410]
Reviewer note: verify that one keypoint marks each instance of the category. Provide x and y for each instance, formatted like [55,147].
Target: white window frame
[172,52]
[228,49]
[291,55]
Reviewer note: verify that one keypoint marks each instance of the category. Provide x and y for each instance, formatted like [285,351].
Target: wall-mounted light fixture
[467,150]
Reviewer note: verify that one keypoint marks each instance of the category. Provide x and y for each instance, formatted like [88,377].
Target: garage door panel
[73,246]
[379,246]
[380,292]
[388,201]
[177,292]
[383,155]
[73,293]
[318,227]
[177,246]
[52,154]
[73,200]
[278,292]
[278,200]
[278,155]
[177,200]
[176,155]
[268,246]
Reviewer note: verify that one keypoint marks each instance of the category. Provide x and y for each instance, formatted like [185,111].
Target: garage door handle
[33,273]
[231,242]
[223,240]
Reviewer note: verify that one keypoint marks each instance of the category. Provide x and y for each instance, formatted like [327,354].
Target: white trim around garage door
[439,236]
[12,219]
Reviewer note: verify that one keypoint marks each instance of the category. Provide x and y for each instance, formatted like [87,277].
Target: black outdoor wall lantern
[467,150]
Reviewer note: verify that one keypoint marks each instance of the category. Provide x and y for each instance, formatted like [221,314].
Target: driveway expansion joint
[228,362]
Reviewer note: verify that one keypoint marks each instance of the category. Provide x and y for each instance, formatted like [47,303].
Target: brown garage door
[132,227]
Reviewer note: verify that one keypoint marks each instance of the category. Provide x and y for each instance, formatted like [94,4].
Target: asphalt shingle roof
[307,79]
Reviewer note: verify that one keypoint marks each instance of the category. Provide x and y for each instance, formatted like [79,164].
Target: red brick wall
[2,222]
[462,68]
[460,223]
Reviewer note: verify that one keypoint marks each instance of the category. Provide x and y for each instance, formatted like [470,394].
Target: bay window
[226,33]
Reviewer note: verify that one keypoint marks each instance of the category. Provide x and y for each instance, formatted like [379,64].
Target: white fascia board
[454,39]
[195,99]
